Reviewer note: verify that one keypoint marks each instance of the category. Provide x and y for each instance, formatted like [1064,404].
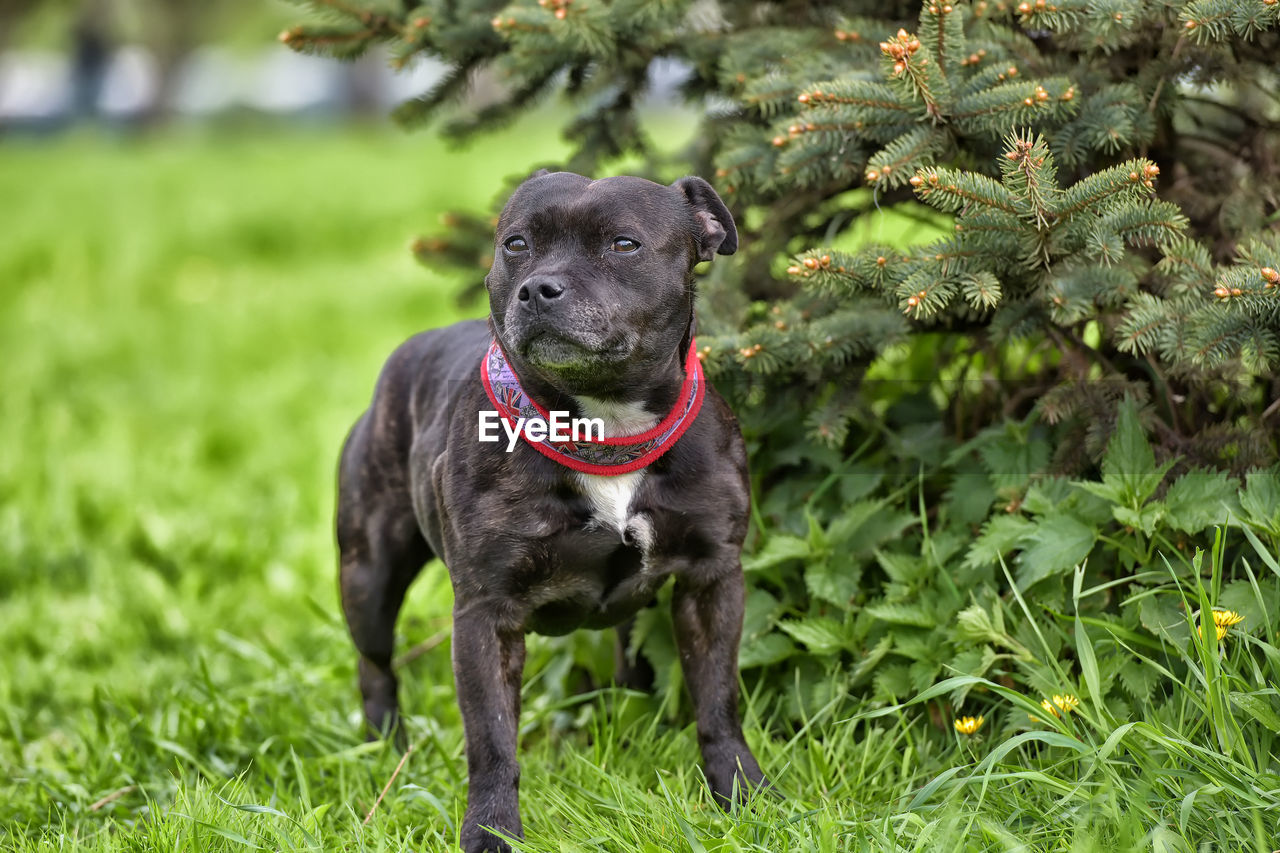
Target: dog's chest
[602,569]
[612,498]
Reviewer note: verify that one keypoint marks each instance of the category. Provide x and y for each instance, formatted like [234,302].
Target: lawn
[188,326]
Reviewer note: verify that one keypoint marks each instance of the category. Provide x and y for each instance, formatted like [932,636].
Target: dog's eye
[624,245]
[515,245]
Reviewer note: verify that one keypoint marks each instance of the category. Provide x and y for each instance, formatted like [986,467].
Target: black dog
[592,313]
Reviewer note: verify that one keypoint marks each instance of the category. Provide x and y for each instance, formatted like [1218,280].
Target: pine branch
[450,87]
[895,163]
[339,42]
[981,290]
[942,29]
[919,75]
[1021,120]
[1031,177]
[1125,181]
[953,191]
[1215,20]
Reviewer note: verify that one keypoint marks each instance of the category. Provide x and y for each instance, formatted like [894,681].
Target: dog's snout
[540,292]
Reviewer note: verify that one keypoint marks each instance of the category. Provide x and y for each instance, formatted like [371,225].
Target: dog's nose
[539,292]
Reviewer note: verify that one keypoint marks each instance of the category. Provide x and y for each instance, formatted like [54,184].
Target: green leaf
[976,662]
[969,498]
[778,550]
[228,834]
[1265,555]
[690,834]
[1261,500]
[1198,500]
[923,672]
[1129,462]
[1057,545]
[1189,802]
[1088,664]
[764,650]
[1240,596]
[832,684]
[1258,705]
[999,536]
[835,580]
[893,681]
[922,796]
[1138,680]
[1011,461]
[1047,495]
[1163,616]
[1049,738]
[873,656]
[820,634]
[760,612]
[1110,491]
[844,528]
[902,614]
[974,624]
[865,525]
[1144,519]
[818,540]
[903,568]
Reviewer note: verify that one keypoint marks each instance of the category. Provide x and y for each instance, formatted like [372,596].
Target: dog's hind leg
[381,551]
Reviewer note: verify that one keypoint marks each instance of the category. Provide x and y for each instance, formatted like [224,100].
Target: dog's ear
[719,234]
[538,174]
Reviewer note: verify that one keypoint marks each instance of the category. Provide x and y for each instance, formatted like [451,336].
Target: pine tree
[1109,172]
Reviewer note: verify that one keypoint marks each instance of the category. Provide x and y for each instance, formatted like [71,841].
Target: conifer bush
[1052,389]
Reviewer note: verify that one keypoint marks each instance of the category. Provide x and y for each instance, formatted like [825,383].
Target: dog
[591,298]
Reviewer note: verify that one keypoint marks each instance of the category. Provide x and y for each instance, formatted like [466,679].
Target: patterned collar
[607,456]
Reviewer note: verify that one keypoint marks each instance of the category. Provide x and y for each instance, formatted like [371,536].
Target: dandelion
[1059,705]
[968,725]
[1224,619]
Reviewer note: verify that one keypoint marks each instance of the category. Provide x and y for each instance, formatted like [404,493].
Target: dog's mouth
[583,360]
[553,351]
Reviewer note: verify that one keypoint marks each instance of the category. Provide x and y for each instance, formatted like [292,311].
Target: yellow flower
[1059,705]
[1224,619]
[968,725]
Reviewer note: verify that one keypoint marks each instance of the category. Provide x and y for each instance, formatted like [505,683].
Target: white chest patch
[611,497]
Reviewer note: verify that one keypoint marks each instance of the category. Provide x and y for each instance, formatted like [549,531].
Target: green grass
[188,325]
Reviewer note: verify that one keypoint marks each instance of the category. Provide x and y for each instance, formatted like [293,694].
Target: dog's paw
[734,790]
[734,777]
[391,730]
[477,839]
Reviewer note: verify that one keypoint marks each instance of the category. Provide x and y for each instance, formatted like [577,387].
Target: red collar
[607,456]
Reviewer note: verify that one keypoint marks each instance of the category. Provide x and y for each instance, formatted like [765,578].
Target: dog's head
[592,281]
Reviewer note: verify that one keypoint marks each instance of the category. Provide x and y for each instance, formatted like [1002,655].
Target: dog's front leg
[708,623]
[488,661]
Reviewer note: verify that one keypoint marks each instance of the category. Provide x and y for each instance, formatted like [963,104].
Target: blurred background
[130,62]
